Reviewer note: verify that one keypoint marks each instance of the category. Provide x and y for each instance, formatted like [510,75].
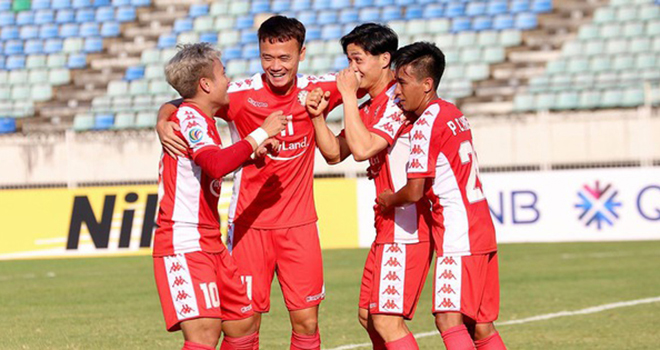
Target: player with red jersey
[443,169]
[198,283]
[378,131]
[272,215]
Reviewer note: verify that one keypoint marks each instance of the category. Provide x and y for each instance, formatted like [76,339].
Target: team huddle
[429,196]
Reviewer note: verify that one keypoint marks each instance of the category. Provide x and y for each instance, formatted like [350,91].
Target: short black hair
[373,38]
[280,29]
[426,59]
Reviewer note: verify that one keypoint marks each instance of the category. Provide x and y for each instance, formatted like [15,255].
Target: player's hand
[384,199]
[348,82]
[373,170]
[317,101]
[270,146]
[275,123]
[173,145]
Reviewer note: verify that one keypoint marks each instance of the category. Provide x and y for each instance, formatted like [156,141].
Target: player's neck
[383,82]
[281,91]
[207,107]
[430,97]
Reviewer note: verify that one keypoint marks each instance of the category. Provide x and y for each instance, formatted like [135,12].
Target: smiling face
[411,91]
[219,84]
[280,61]
[369,66]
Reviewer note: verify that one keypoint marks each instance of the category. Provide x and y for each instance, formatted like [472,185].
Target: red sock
[457,338]
[188,345]
[494,342]
[406,343]
[248,342]
[305,342]
[377,341]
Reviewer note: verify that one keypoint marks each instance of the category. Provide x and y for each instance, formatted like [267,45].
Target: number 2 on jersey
[472,190]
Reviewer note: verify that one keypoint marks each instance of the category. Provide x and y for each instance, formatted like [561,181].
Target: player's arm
[333,148]
[362,143]
[166,130]
[412,192]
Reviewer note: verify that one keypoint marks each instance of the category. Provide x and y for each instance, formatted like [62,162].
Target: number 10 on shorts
[211,295]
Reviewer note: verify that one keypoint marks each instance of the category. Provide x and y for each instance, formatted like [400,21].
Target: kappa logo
[446,289]
[422,122]
[389,128]
[186,309]
[418,135]
[391,290]
[446,304]
[417,149]
[182,295]
[392,276]
[257,104]
[598,205]
[447,275]
[176,267]
[389,305]
[393,262]
[394,249]
[192,124]
[178,281]
[415,164]
[448,260]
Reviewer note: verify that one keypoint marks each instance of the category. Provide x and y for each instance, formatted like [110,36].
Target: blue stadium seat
[25,18]
[482,23]
[93,45]
[76,61]
[15,62]
[134,73]
[209,37]
[434,11]
[525,20]
[65,16]
[414,12]
[7,125]
[320,4]
[279,6]
[540,6]
[2,61]
[110,29]
[249,36]
[69,30]
[259,6]
[105,14]
[9,32]
[363,3]
[307,18]
[104,121]
[254,67]
[244,22]
[250,51]
[101,3]
[53,46]
[346,28]
[461,24]
[383,3]
[198,10]
[7,18]
[13,47]
[475,9]
[183,25]
[48,31]
[340,4]
[166,40]
[61,4]
[85,15]
[231,53]
[339,63]
[79,4]
[370,14]
[518,6]
[34,46]
[44,16]
[5,5]
[313,33]
[331,32]
[40,4]
[126,14]
[118,3]
[503,22]
[348,15]
[140,3]
[404,2]
[327,17]
[496,7]
[391,13]
[455,9]
[29,32]
[89,30]
[300,5]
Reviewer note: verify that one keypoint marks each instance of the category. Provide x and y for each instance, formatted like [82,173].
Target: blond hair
[191,63]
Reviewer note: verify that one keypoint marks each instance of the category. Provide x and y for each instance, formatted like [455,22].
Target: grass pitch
[111,303]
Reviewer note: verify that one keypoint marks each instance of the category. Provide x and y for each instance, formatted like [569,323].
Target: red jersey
[277,192]
[442,150]
[383,117]
[188,217]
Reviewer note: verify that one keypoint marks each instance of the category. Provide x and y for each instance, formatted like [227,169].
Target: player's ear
[385,60]
[428,84]
[303,50]
[205,85]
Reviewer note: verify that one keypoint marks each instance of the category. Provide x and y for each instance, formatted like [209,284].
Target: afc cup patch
[195,135]
[302,97]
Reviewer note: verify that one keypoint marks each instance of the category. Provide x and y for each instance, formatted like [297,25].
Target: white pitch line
[589,310]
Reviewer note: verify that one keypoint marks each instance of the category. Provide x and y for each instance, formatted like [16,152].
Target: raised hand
[348,81]
[317,101]
[275,123]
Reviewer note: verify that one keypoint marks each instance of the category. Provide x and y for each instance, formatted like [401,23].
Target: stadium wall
[543,206]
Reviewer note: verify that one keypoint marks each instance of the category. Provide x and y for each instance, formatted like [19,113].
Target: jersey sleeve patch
[194,129]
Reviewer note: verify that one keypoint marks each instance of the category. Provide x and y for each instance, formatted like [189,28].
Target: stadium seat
[187,37]
[476,8]
[204,24]
[223,23]
[83,122]
[568,100]
[34,47]
[17,77]
[109,29]
[7,19]
[33,62]
[166,40]
[29,32]
[496,7]
[383,3]
[391,13]
[41,4]
[326,17]
[454,9]
[209,37]
[279,6]
[572,49]
[20,92]
[525,21]
[101,3]
[461,24]
[238,8]
[85,15]
[15,62]
[138,87]
[40,92]
[65,16]
[540,6]
[633,29]
[7,125]
[259,6]
[370,14]
[300,5]
[494,54]
[145,120]
[89,30]
[646,60]
[93,44]
[77,4]
[604,15]
[504,21]
[57,60]
[414,12]
[594,47]
[13,47]
[517,6]
[482,23]
[134,72]
[198,10]
[124,121]
[126,14]
[44,17]
[632,96]
[118,3]
[611,98]
[227,38]
[433,11]
[414,27]
[624,14]
[72,45]
[250,51]
[438,25]
[331,32]
[59,76]
[78,60]
[48,31]
[249,36]
[25,18]
[105,14]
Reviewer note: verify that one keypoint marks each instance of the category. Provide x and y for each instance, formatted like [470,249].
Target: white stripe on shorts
[181,286]
[448,283]
[392,278]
